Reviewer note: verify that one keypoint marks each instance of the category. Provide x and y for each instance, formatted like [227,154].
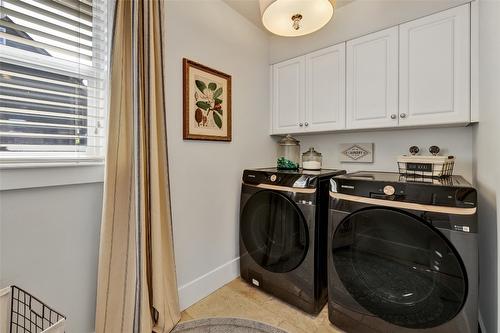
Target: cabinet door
[434,69]
[288,96]
[325,86]
[372,80]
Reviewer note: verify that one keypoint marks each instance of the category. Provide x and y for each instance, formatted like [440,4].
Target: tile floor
[238,299]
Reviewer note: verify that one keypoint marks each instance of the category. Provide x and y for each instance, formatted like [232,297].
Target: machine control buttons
[389,190]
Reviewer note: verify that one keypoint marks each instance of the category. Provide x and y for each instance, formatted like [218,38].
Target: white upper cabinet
[288,97]
[372,80]
[435,69]
[325,89]
[415,74]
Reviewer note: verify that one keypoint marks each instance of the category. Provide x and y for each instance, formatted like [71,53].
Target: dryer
[402,254]
[283,224]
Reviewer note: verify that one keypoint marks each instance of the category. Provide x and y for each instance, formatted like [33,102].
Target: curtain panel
[137,288]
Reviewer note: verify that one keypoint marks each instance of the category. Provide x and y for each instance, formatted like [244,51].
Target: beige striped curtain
[137,289]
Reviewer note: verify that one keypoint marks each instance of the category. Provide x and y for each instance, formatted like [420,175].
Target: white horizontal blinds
[53,73]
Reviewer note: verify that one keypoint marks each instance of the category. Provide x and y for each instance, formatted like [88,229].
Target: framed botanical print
[207,103]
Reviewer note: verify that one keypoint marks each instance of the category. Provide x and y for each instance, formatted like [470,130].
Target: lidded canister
[288,153]
[311,160]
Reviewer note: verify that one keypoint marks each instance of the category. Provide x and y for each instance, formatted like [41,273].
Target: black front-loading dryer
[402,254]
[283,223]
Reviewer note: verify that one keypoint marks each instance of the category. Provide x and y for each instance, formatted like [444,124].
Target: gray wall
[389,144]
[49,239]
[486,140]
[206,176]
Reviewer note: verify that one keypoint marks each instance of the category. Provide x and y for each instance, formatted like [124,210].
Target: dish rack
[21,312]
[426,166]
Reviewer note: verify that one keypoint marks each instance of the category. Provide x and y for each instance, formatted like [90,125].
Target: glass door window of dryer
[274,231]
[399,268]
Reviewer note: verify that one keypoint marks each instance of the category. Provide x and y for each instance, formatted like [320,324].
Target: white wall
[355,19]
[486,140]
[389,144]
[49,242]
[206,176]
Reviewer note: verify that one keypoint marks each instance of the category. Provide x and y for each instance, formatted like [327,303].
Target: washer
[402,255]
[283,224]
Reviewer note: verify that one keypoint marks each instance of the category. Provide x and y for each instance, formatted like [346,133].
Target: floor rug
[225,325]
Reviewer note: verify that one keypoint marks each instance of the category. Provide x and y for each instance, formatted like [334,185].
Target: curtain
[137,288]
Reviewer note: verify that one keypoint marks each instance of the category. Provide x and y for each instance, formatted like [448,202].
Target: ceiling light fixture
[292,18]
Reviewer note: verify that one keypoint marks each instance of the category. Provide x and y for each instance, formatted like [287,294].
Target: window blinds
[53,73]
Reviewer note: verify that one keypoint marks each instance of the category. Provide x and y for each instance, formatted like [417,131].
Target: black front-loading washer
[283,224]
[402,254]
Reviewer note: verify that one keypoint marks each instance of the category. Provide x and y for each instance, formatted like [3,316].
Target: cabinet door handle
[300,124]
[403,115]
[393,116]
[307,124]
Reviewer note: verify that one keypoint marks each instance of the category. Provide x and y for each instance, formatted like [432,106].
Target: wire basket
[426,166]
[21,312]
[426,179]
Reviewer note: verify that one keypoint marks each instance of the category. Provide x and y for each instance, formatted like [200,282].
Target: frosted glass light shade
[278,16]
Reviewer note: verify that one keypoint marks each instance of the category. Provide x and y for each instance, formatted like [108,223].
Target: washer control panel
[451,192]
[279,179]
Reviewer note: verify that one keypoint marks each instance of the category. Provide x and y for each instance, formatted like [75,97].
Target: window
[53,80]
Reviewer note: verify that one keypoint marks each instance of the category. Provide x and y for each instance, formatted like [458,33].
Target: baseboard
[206,284]
[481,323]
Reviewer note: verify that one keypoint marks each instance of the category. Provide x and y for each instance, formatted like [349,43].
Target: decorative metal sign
[356,152]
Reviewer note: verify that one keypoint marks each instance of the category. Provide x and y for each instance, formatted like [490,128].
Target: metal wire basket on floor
[21,312]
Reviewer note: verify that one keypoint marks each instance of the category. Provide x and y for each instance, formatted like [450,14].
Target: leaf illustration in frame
[217,120]
[213,88]
[201,85]
[218,92]
[204,105]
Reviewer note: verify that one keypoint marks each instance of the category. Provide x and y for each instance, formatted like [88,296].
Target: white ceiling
[250,9]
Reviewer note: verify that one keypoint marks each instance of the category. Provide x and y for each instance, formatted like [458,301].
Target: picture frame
[207,113]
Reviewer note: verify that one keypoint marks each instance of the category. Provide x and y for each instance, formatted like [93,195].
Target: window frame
[95,154]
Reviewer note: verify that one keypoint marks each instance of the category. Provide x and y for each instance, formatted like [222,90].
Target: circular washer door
[274,231]
[399,268]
